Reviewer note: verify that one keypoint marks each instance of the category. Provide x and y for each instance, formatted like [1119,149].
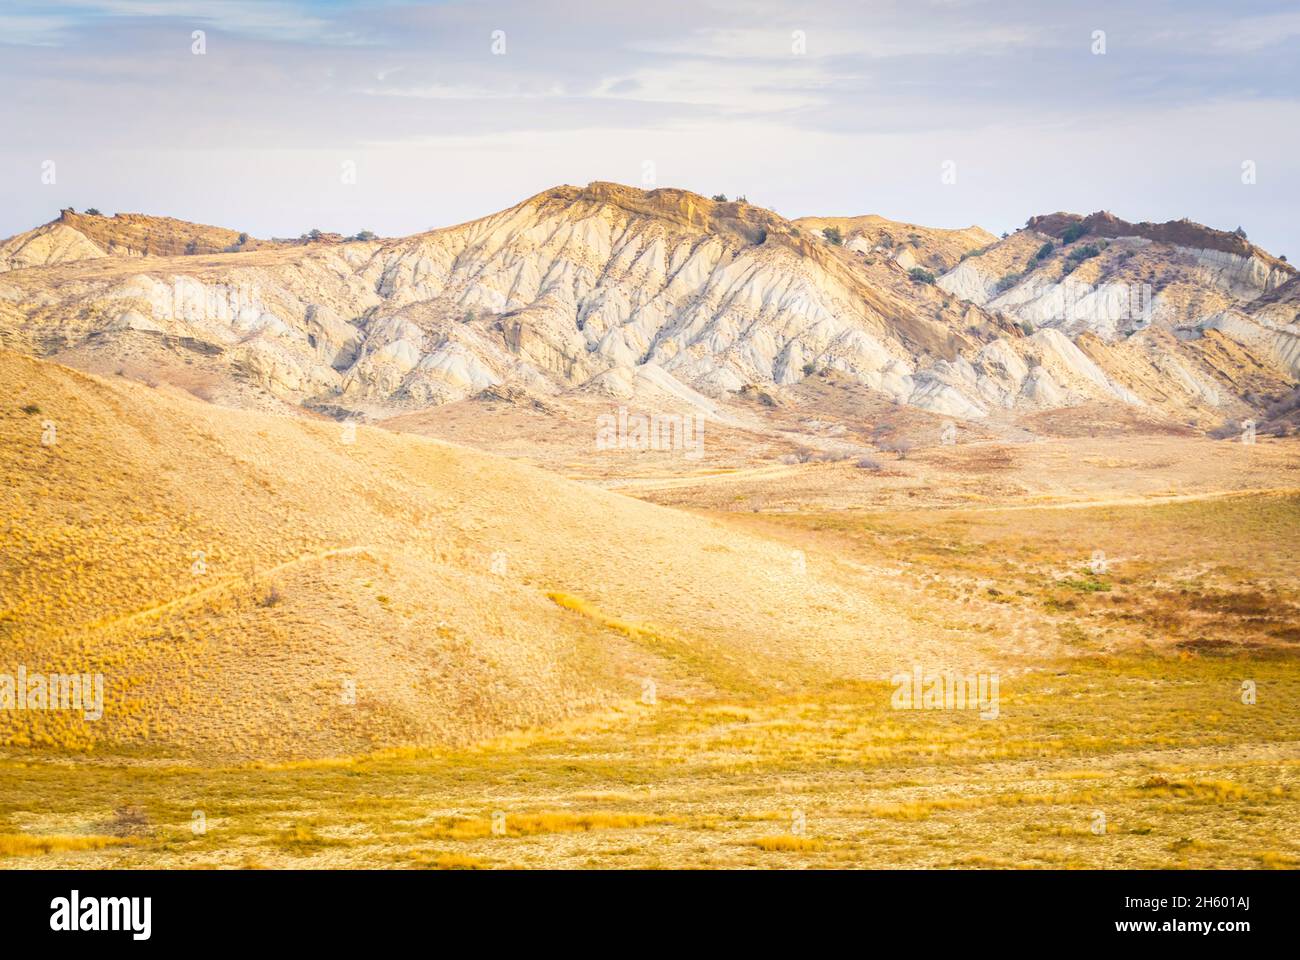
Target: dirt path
[161,608]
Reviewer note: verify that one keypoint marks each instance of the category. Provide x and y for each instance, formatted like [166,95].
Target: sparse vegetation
[1163,746]
[921,275]
[1073,232]
[786,843]
[1121,682]
[1007,281]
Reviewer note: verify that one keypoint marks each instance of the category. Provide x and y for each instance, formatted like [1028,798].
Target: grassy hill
[233,574]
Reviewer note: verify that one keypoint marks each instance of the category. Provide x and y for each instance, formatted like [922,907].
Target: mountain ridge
[577,285]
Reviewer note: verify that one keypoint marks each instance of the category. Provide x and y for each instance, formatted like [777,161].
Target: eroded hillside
[602,288]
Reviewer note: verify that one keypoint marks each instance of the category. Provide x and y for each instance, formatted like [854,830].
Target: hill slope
[228,572]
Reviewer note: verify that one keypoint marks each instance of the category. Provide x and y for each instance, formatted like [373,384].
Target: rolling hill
[230,573]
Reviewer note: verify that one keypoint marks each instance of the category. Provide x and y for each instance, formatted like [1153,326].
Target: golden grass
[24,845]
[1113,700]
[450,861]
[1184,774]
[532,824]
[787,843]
[1272,860]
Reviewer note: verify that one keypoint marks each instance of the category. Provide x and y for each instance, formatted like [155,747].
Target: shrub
[365,235]
[900,447]
[243,239]
[809,369]
[720,198]
[921,275]
[833,235]
[1085,252]
[92,212]
[1044,251]
[128,821]
[1073,232]
[1008,281]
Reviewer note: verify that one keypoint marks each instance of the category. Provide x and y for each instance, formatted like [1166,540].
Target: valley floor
[1123,739]
[1098,763]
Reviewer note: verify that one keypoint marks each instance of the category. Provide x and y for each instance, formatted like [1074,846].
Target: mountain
[607,289]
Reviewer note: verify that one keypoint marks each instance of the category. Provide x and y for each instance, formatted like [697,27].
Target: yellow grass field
[1100,763]
[706,684]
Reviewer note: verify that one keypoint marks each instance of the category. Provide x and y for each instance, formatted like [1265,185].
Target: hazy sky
[831,108]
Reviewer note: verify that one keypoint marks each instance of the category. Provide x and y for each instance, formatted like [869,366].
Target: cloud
[701,87]
[55,23]
[1258,33]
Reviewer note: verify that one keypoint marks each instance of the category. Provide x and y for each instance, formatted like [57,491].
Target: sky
[278,116]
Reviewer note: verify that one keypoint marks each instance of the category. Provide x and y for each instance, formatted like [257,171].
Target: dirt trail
[220,585]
